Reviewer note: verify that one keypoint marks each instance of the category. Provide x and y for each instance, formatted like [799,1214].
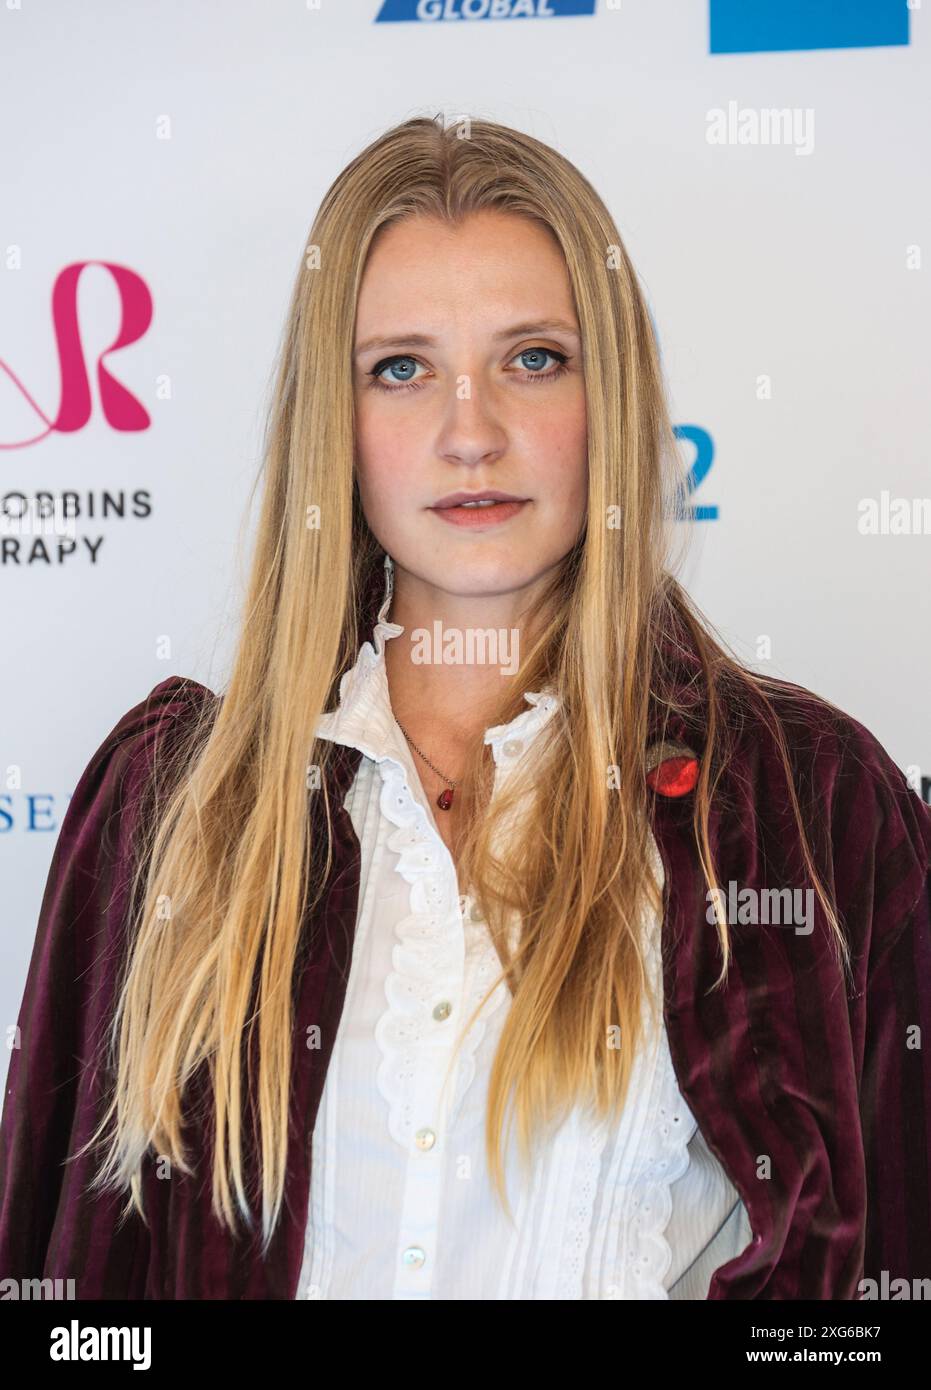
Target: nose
[471,431]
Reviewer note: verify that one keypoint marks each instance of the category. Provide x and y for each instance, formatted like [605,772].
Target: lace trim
[591,1147]
[648,1267]
[647,1254]
[426,954]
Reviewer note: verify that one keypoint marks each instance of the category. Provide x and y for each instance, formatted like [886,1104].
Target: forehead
[491,264]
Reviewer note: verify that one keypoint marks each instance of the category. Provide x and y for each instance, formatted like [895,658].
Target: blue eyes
[408,364]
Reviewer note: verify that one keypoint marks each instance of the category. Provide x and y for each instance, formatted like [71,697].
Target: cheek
[383,447]
[555,446]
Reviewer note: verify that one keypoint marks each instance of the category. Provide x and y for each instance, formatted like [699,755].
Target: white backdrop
[191,144]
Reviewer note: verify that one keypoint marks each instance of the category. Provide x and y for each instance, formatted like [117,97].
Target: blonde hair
[231,850]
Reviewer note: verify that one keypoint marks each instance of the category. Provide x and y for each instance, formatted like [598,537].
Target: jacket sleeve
[891,1021]
[50,1226]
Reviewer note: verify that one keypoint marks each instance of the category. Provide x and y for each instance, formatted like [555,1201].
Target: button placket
[427,1106]
[433,980]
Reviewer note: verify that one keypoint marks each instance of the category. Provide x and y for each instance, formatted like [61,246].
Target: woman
[383,896]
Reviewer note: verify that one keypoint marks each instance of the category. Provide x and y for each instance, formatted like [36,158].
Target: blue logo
[703,444]
[774,26]
[701,465]
[437,11]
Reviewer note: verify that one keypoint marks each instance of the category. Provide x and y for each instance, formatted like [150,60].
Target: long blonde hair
[228,865]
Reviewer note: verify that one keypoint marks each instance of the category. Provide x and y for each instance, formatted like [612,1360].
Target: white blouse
[401,1206]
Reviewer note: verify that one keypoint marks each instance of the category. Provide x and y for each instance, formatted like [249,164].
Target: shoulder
[97,831]
[847,784]
[821,739]
[172,707]
[86,905]
[174,703]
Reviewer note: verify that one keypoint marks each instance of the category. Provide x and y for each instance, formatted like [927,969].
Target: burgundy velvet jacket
[828,1082]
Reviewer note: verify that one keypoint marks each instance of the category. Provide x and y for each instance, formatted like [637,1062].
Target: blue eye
[539,354]
[404,363]
[395,364]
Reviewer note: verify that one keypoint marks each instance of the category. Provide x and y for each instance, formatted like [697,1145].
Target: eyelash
[375,379]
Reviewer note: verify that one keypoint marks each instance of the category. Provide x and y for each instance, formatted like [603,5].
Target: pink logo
[122,410]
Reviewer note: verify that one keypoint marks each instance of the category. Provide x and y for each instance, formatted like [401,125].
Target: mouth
[479,511]
[478,498]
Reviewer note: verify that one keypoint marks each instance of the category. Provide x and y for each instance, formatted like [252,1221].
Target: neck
[458,658]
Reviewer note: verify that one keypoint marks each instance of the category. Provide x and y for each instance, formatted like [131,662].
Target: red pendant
[445,800]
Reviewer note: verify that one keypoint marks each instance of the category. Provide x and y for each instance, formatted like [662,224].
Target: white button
[413,1257]
[442,1011]
[475,912]
[512,747]
[425,1138]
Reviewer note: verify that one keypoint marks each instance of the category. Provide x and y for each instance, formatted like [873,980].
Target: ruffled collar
[363,718]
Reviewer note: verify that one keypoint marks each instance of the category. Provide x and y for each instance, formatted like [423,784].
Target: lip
[480,518]
[452,499]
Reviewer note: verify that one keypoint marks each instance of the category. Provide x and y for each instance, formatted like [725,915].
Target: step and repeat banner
[160,164]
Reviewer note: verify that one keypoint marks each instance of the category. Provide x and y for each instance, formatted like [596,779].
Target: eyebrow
[516,330]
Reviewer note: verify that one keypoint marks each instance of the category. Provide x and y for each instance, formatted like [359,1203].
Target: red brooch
[672,769]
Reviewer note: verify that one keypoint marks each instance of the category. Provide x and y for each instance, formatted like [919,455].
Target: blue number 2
[704,455]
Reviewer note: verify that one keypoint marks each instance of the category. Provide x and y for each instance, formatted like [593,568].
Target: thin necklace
[445,798]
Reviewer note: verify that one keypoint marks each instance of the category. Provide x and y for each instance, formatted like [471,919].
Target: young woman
[496,934]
